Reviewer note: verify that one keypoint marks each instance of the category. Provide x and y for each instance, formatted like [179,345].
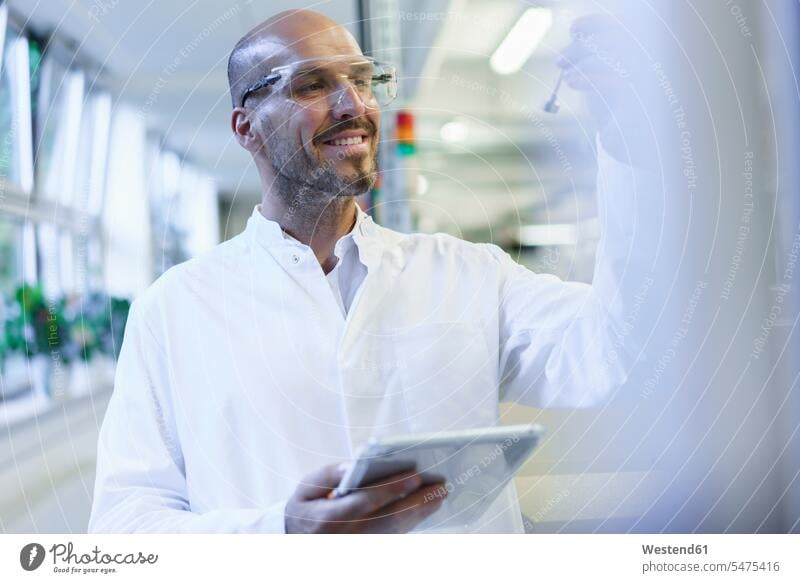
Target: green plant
[3,336]
[36,326]
[97,323]
[75,327]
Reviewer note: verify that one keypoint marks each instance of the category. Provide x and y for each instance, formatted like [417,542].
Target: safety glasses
[313,82]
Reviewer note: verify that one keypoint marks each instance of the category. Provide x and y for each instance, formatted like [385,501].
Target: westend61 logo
[65,560]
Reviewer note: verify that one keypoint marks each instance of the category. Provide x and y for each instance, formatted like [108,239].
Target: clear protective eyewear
[311,82]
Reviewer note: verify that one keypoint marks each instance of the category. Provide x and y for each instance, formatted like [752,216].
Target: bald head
[288,36]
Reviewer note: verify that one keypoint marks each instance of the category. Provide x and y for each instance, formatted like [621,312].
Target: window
[16,148]
[66,261]
[58,129]
[165,189]
[127,254]
[92,157]
[29,261]
[90,176]
[94,264]
[48,245]
[198,214]
[10,257]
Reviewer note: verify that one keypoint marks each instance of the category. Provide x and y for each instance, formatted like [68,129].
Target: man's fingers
[394,504]
[372,497]
[404,514]
[320,483]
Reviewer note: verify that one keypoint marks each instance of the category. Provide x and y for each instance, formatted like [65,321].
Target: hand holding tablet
[470,467]
[412,482]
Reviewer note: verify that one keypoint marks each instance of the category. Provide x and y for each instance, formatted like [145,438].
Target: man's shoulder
[441,244]
[194,275]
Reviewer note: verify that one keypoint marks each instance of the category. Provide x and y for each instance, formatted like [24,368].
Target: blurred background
[117,162]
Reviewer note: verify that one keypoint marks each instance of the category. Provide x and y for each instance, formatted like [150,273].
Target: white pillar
[128,261]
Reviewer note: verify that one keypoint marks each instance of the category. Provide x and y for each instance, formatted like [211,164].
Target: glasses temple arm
[268,80]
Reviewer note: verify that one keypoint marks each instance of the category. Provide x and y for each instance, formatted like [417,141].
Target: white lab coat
[239,374]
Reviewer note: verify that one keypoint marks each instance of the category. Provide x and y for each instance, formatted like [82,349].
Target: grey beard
[317,185]
[305,183]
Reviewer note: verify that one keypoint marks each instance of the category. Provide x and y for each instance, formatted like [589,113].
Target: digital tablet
[473,465]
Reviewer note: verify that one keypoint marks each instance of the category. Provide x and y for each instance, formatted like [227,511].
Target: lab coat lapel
[369,386]
[384,260]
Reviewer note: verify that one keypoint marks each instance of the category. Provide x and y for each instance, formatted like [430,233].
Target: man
[247,376]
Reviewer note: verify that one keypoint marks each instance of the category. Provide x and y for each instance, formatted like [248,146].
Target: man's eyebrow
[305,70]
[357,65]
[362,66]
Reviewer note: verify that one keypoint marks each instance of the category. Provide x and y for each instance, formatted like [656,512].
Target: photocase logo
[31,556]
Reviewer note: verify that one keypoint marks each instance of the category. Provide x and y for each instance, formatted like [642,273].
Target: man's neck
[319,228]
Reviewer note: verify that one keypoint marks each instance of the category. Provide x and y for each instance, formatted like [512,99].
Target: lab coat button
[295,258]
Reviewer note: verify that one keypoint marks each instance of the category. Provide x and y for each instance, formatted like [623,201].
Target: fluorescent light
[541,235]
[454,131]
[522,40]
[422,184]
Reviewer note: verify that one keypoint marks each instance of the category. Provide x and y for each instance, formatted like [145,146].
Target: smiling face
[329,144]
[338,161]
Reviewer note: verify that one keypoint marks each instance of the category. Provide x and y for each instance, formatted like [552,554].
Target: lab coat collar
[373,241]
[269,233]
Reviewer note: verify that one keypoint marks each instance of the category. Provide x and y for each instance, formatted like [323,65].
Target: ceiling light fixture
[521,41]
[454,131]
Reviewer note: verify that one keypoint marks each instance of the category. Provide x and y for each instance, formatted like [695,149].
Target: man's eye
[311,87]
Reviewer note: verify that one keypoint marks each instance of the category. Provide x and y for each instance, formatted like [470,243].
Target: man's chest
[276,361]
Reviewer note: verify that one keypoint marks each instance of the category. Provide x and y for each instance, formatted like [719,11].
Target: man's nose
[348,102]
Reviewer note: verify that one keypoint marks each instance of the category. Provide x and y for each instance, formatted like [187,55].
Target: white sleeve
[569,344]
[141,482]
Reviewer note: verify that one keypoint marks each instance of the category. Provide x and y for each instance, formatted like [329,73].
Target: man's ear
[243,130]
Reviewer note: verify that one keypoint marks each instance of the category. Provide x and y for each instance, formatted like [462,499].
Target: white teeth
[348,141]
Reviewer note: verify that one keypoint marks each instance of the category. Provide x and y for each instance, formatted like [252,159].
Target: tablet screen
[473,466]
